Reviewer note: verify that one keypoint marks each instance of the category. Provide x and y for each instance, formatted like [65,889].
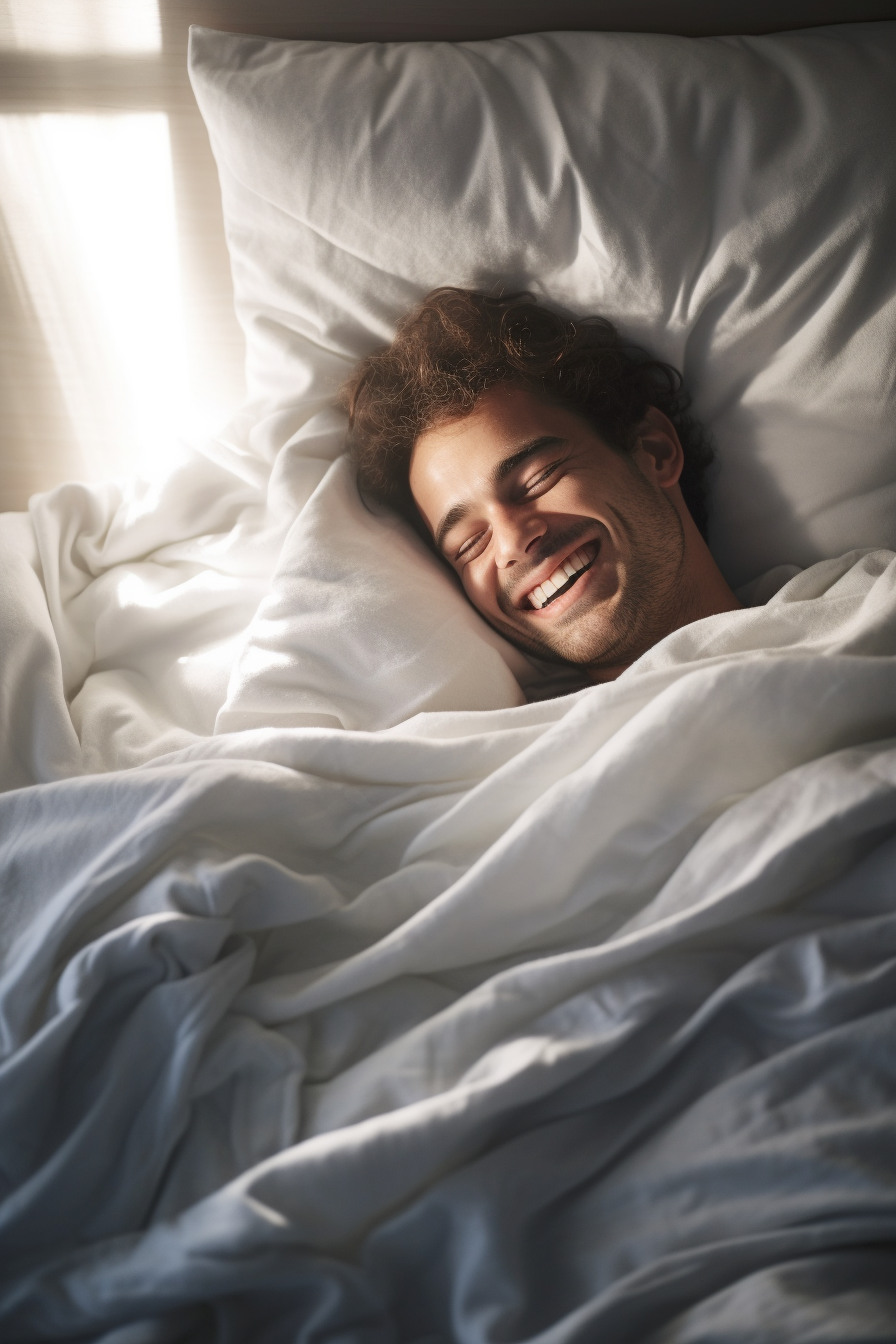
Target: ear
[657,449]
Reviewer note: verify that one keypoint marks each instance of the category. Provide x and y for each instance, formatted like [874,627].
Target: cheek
[479,587]
[578,495]
[589,493]
[472,585]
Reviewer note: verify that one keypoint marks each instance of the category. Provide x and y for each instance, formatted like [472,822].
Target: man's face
[573,550]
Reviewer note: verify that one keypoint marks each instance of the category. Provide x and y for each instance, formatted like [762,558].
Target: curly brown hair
[457,344]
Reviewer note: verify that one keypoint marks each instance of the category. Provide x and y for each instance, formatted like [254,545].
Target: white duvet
[562,1019]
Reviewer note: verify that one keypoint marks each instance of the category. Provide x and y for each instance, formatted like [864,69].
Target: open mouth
[563,577]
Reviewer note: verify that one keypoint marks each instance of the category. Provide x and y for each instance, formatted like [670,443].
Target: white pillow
[364,633]
[729,202]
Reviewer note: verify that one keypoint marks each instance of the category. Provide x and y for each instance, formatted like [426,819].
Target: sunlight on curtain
[89,207]
[73,28]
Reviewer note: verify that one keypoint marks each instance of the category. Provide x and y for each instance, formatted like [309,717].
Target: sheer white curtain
[88,206]
[81,27]
[117,336]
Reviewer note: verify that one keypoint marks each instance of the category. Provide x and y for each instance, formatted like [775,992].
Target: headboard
[466,20]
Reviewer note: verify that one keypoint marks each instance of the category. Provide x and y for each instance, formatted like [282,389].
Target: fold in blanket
[562,1021]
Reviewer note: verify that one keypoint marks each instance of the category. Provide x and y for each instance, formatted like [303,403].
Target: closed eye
[474,546]
[471,547]
[542,477]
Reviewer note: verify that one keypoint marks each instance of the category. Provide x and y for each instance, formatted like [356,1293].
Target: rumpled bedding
[559,1021]
[358,986]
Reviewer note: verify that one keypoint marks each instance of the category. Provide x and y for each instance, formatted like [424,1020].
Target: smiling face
[571,549]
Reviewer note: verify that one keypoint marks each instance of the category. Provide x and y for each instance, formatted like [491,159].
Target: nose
[515,532]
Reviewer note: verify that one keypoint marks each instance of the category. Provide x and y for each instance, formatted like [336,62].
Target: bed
[358,985]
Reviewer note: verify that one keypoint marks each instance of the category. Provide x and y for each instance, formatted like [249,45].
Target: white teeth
[561,576]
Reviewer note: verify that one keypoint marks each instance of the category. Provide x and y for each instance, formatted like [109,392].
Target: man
[552,467]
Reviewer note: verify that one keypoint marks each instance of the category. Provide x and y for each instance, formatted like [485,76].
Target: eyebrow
[499,473]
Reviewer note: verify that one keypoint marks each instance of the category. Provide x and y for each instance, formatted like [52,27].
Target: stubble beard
[651,602]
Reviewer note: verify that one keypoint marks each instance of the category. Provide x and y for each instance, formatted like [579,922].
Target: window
[117,335]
